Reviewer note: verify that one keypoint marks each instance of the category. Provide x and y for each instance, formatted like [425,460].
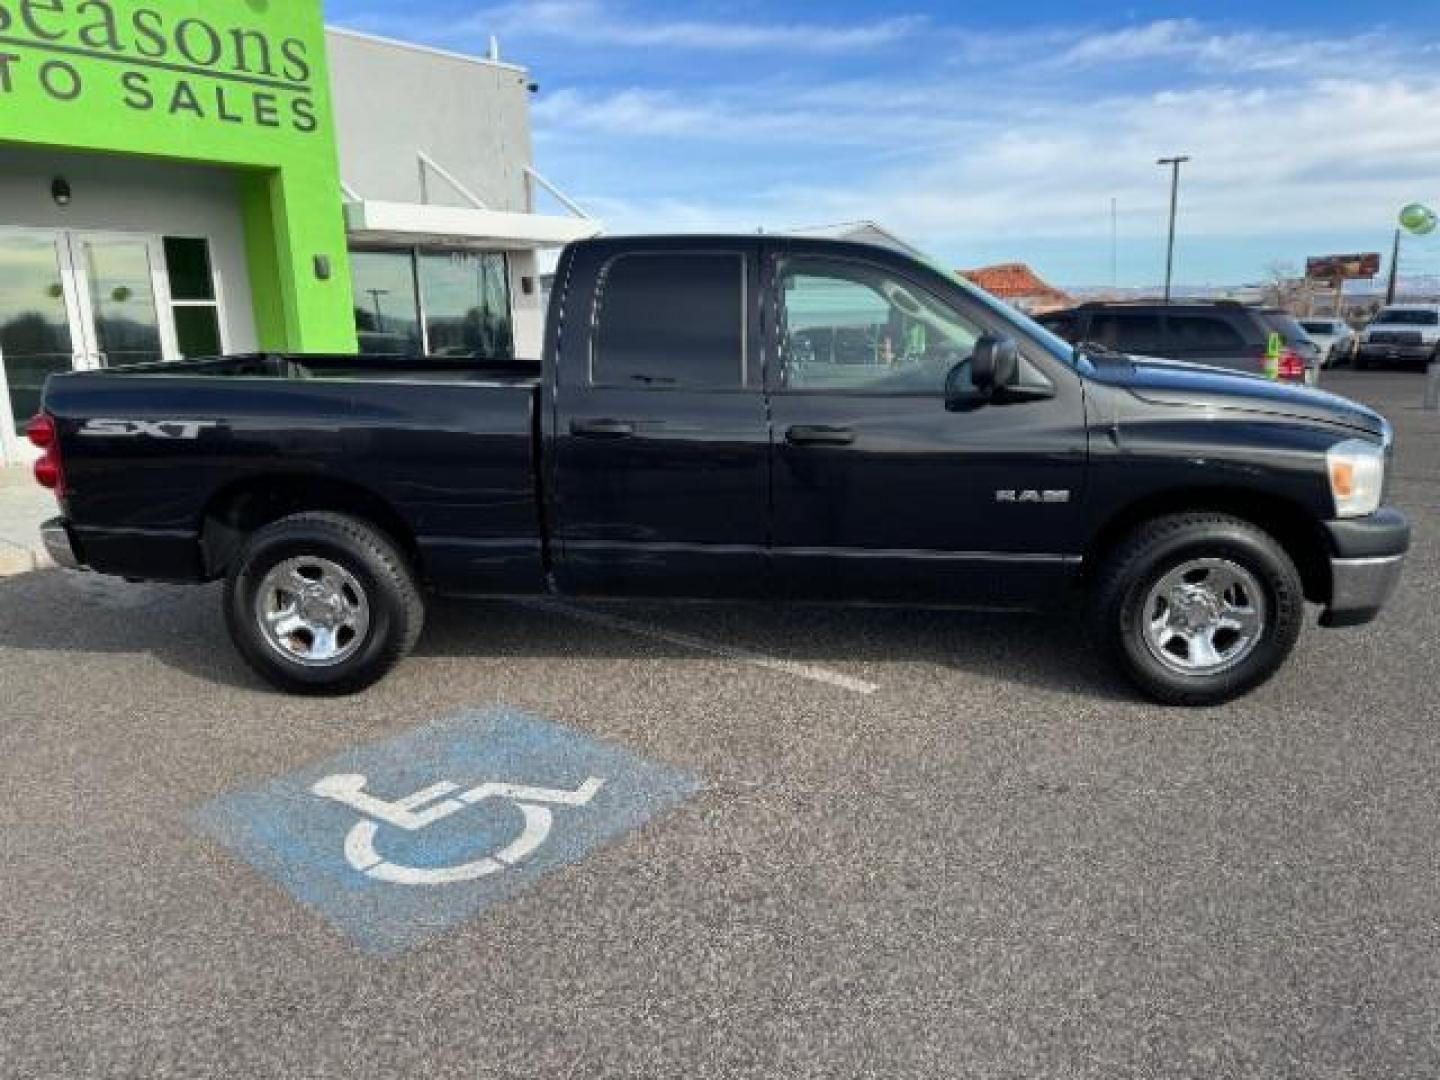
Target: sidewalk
[24,505]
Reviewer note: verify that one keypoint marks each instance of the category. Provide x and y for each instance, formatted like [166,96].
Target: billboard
[1342,267]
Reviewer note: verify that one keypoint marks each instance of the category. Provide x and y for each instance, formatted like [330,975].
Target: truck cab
[798,419]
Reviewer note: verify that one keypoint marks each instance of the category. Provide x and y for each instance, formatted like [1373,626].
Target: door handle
[602,429]
[819,435]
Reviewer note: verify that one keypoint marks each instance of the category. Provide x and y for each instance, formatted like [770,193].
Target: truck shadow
[182,627]
[1046,651]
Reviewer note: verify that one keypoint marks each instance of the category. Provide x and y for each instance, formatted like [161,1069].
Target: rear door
[660,475]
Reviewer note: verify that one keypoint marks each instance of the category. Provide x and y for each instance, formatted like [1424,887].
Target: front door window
[849,326]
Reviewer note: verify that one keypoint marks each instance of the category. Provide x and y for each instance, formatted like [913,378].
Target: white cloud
[1323,154]
[1190,42]
[600,24]
[981,138]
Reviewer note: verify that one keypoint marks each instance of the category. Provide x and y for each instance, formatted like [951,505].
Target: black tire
[394,606]
[1165,544]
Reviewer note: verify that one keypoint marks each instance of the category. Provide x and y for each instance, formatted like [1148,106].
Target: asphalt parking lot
[917,844]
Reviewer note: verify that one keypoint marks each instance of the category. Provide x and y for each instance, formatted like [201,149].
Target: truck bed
[157,458]
[375,368]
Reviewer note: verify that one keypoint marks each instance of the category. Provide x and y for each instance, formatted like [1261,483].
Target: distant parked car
[1335,338]
[1403,333]
[1220,333]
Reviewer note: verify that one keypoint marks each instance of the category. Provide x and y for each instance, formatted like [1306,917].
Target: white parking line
[687,641]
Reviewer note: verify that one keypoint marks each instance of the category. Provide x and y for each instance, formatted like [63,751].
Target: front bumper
[56,538]
[1369,554]
[1371,351]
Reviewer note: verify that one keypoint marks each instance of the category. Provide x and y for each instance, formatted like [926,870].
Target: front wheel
[1198,609]
[322,603]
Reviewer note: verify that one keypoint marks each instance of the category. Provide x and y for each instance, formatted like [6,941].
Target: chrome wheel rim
[1204,617]
[312,611]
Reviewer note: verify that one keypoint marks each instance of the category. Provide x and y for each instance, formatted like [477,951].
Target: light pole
[1114,244]
[1394,270]
[1174,163]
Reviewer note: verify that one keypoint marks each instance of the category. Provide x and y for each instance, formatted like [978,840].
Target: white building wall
[138,195]
[528,311]
[470,115]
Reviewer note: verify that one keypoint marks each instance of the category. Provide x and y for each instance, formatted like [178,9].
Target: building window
[387,313]
[466,301]
[437,303]
[193,303]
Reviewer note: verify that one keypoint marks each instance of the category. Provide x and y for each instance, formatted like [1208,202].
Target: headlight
[1357,476]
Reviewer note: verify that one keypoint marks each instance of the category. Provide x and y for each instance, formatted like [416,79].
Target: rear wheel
[322,603]
[1198,609]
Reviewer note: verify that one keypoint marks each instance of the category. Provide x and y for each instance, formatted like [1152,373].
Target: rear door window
[1286,325]
[668,320]
[1127,331]
[1204,333]
[1066,326]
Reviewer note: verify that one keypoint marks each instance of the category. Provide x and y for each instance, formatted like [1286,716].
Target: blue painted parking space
[398,841]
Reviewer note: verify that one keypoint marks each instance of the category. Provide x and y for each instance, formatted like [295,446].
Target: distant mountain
[1414,287]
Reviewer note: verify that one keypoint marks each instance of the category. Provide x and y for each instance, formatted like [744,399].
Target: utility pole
[375,295]
[1394,269]
[1174,163]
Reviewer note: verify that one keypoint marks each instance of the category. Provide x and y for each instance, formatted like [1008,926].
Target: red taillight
[1292,365]
[41,431]
[48,473]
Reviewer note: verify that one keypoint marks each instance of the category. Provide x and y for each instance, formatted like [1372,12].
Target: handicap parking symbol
[401,840]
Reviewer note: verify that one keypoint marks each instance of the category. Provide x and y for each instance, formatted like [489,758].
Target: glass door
[40,331]
[123,298]
[77,300]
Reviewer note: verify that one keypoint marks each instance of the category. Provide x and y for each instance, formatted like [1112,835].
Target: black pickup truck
[736,417]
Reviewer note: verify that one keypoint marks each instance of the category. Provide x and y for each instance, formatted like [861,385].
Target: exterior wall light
[60,191]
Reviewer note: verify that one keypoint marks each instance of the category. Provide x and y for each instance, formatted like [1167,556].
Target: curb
[18,560]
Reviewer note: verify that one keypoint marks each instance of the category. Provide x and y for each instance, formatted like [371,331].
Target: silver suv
[1333,336]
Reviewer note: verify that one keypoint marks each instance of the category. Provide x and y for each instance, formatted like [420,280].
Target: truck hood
[1174,382]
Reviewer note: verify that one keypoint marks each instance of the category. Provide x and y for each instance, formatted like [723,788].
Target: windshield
[1409,317]
[1322,326]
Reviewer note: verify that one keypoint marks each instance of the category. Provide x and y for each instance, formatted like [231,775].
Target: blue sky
[983,132]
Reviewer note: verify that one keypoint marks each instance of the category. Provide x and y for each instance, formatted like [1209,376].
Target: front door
[72,301]
[880,492]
